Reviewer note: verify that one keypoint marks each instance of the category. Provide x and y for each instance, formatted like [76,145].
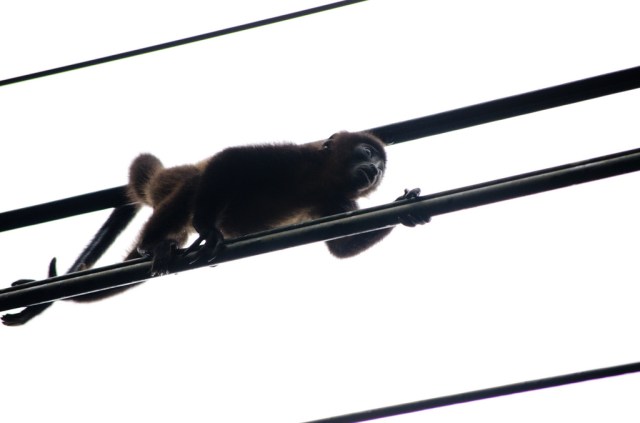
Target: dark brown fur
[238,191]
[247,189]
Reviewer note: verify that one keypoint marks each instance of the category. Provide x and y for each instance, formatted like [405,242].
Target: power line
[477,114]
[180,42]
[331,227]
[499,391]
[517,105]
[59,209]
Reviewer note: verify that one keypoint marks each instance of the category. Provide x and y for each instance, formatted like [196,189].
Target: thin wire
[499,391]
[477,114]
[180,42]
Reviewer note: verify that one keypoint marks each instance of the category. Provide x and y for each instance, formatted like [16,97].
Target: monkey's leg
[168,228]
[210,201]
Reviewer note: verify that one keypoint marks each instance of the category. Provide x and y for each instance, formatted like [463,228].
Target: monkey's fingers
[193,247]
[163,256]
[207,253]
[412,220]
[210,249]
[409,194]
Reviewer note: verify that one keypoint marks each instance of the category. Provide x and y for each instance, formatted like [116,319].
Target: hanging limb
[118,220]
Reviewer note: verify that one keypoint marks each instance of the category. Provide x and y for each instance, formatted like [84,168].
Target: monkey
[247,189]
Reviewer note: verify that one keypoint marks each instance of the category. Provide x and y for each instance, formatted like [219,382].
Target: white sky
[524,289]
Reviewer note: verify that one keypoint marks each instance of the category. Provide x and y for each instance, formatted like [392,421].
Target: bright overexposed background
[519,290]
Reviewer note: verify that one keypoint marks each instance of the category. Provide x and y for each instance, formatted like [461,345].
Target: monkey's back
[263,186]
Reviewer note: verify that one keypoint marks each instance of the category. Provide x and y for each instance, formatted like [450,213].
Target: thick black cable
[60,209]
[331,227]
[517,105]
[180,42]
[477,114]
[499,391]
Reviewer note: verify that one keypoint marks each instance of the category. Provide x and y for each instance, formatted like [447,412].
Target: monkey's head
[357,161]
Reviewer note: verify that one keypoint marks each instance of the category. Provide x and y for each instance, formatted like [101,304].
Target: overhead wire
[364,220]
[477,114]
[176,43]
[484,394]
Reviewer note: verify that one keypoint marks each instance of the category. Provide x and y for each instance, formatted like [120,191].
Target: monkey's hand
[412,219]
[212,246]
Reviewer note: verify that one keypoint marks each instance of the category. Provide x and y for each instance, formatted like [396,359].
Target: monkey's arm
[168,227]
[352,245]
[214,190]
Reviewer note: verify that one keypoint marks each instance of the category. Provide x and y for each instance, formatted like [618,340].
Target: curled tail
[141,172]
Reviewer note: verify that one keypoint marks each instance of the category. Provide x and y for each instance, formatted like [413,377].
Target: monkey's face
[360,160]
[367,168]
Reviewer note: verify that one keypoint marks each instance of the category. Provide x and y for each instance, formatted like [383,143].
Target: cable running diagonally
[177,43]
[465,117]
[498,391]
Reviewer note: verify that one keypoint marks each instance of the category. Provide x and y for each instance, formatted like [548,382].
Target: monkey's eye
[327,144]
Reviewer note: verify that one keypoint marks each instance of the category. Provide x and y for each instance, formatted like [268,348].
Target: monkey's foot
[163,257]
[412,220]
[209,251]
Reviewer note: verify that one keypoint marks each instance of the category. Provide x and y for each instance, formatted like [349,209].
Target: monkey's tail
[22,317]
[141,172]
[118,220]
